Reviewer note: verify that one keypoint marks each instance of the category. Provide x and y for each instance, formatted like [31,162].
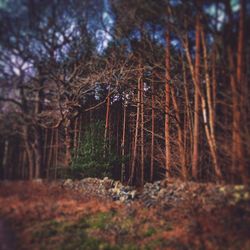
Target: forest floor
[77,215]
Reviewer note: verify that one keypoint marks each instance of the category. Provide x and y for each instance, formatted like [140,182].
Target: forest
[161,92]
[140,92]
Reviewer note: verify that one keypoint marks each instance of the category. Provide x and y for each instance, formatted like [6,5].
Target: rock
[164,183]
[148,185]
[123,198]
[115,197]
[107,183]
[38,180]
[121,192]
[68,183]
[133,194]
[162,193]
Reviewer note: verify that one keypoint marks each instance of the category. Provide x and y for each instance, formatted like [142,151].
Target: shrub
[93,158]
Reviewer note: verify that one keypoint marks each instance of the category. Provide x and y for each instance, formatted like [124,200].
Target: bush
[93,159]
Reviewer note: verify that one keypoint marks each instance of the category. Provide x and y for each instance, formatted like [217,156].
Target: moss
[100,220]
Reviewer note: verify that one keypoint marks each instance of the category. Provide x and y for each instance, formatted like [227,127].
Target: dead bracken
[102,214]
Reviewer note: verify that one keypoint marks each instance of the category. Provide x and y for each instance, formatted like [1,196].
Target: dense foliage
[92,158]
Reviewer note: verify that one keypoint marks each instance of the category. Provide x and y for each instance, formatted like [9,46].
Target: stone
[162,193]
[67,182]
[133,194]
[38,180]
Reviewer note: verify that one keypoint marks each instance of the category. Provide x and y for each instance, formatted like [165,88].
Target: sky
[102,35]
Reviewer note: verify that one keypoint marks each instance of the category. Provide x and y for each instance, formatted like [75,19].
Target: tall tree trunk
[37,153]
[198,95]
[167,105]
[195,158]
[210,105]
[75,136]
[5,158]
[107,122]
[241,102]
[235,111]
[28,150]
[80,134]
[19,169]
[67,142]
[209,119]
[234,74]
[130,181]
[45,148]
[180,136]
[214,83]
[56,151]
[109,134]
[118,139]
[50,154]
[142,131]
[123,142]
[37,129]
[188,127]
[153,134]
[24,159]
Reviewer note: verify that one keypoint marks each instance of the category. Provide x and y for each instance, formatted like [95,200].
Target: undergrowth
[89,233]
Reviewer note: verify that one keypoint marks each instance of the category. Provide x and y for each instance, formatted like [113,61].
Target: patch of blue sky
[15,65]
[159,37]
[175,2]
[103,38]
[235,4]
[3,4]
[218,12]
[103,35]
[176,43]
